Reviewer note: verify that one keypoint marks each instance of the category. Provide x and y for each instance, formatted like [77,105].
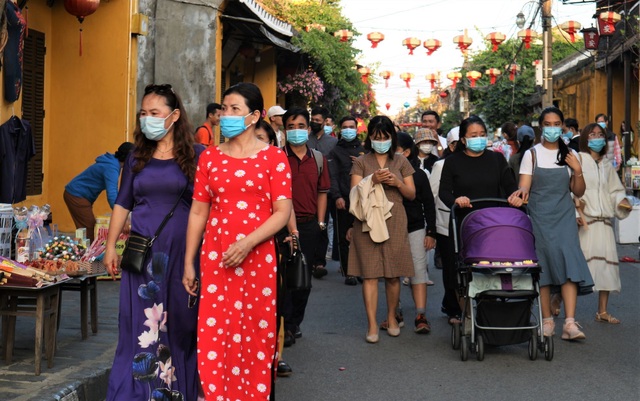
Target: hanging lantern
[364,72]
[386,75]
[432,78]
[411,44]
[406,77]
[343,35]
[527,35]
[319,27]
[432,45]
[571,27]
[406,105]
[81,9]
[388,106]
[463,42]
[444,94]
[607,22]
[513,70]
[473,76]
[454,77]
[495,38]
[591,38]
[493,73]
[375,38]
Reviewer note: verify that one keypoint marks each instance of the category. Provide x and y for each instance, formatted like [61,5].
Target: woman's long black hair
[563,149]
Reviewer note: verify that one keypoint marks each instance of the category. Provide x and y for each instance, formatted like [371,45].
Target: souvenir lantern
[463,42]
[364,72]
[411,44]
[388,106]
[375,38]
[495,38]
[454,77]
[406,77]
[513,70]
[527,35]
[432,78]
[81,9]
[473,76]
[493,73]
[319,27]
[607,22]
[591,38]
[571,27]
[432,45]
[386,75]
[343,35]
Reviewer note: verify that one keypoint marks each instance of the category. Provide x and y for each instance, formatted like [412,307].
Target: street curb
[91,388]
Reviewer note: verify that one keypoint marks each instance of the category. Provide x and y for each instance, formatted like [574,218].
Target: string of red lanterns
[411,43]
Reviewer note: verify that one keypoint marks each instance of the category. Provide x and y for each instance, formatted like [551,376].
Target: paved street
[411,367]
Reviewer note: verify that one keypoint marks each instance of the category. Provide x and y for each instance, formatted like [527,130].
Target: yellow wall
[89,99]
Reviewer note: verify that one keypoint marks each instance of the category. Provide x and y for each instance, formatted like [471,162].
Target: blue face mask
[328,130]
[597,144]
[297,136]
[568,135]
[551,134]
[232,126]
[477,144]
[349,134]
[153,127]
[603,124]
[381,147]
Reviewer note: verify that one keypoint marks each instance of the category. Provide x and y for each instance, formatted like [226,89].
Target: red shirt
[204,134]
[305,182]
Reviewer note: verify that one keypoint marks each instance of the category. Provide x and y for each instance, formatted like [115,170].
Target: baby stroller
[498,278]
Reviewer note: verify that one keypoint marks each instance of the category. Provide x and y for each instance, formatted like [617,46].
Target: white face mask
[426,148]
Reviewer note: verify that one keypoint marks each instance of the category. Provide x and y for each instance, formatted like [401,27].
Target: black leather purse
[298,275]
[138,246]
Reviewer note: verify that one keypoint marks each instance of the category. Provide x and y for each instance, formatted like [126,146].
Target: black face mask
[316,127]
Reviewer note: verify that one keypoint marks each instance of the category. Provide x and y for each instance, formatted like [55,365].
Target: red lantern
[444,94]
[473,76]
[495,38]
[513,70]
[319,27]
[571,27]
[411,44]
[493,73]
[591,38]
[364,72]
[432,78]
[406,77]
[527,35]
[432,45]
[388,106]
[343,35]
[607,22]
[454,77]
[386,75]
[375,38]
[463,42]
[81,9]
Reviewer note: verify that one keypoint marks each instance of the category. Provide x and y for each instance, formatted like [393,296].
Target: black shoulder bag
[137,246]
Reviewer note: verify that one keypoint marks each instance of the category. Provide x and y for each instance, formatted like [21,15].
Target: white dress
[603,194]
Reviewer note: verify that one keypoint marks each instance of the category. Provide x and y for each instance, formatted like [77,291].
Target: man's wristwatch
[322,225]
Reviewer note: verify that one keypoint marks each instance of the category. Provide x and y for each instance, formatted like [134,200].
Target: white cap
[453,135]
[275,111]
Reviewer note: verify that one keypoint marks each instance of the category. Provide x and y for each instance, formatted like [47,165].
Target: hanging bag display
[298,276]
[137,246]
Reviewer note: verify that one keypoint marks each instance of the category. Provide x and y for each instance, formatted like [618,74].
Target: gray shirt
[325,144]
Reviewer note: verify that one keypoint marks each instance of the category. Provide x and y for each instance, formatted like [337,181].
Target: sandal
[605,317]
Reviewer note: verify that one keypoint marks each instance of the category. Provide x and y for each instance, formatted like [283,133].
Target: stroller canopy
[498,234]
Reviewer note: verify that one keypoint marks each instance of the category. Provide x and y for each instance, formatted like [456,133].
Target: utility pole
[547,79]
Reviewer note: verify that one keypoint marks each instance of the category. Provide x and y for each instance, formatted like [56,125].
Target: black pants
[344,220]
[449,275]
[295,302]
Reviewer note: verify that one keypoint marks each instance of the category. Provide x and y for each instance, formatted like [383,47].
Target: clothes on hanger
[17,147]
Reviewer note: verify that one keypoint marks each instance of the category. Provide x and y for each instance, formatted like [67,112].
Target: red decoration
[343,35]
[364,72]
[454,77]
[571,27]
[81,9]
[411,44]
[432,78]
[591,38]
[406,77]
[444,94]
[386,75]
[388,106]
[473,76]
[527,35]
[432,45]
[513,70]
[375,38]
[495,38]
[493,73]
[463,42]
[607,22]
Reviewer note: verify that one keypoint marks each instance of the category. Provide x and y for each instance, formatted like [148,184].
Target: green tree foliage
[333,60]
[509,100]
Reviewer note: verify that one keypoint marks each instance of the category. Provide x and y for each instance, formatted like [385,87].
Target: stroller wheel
[455,336]
[533,345]
[480,347]
[548,348]
[464,348]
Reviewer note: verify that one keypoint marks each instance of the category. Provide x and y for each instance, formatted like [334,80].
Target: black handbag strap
[168,216]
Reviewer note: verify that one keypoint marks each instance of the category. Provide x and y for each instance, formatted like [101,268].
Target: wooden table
[86,285]
[41,303]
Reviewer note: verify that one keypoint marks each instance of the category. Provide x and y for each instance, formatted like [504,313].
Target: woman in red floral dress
[242,197]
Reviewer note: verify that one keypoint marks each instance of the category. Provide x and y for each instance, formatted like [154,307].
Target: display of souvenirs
[63,248]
